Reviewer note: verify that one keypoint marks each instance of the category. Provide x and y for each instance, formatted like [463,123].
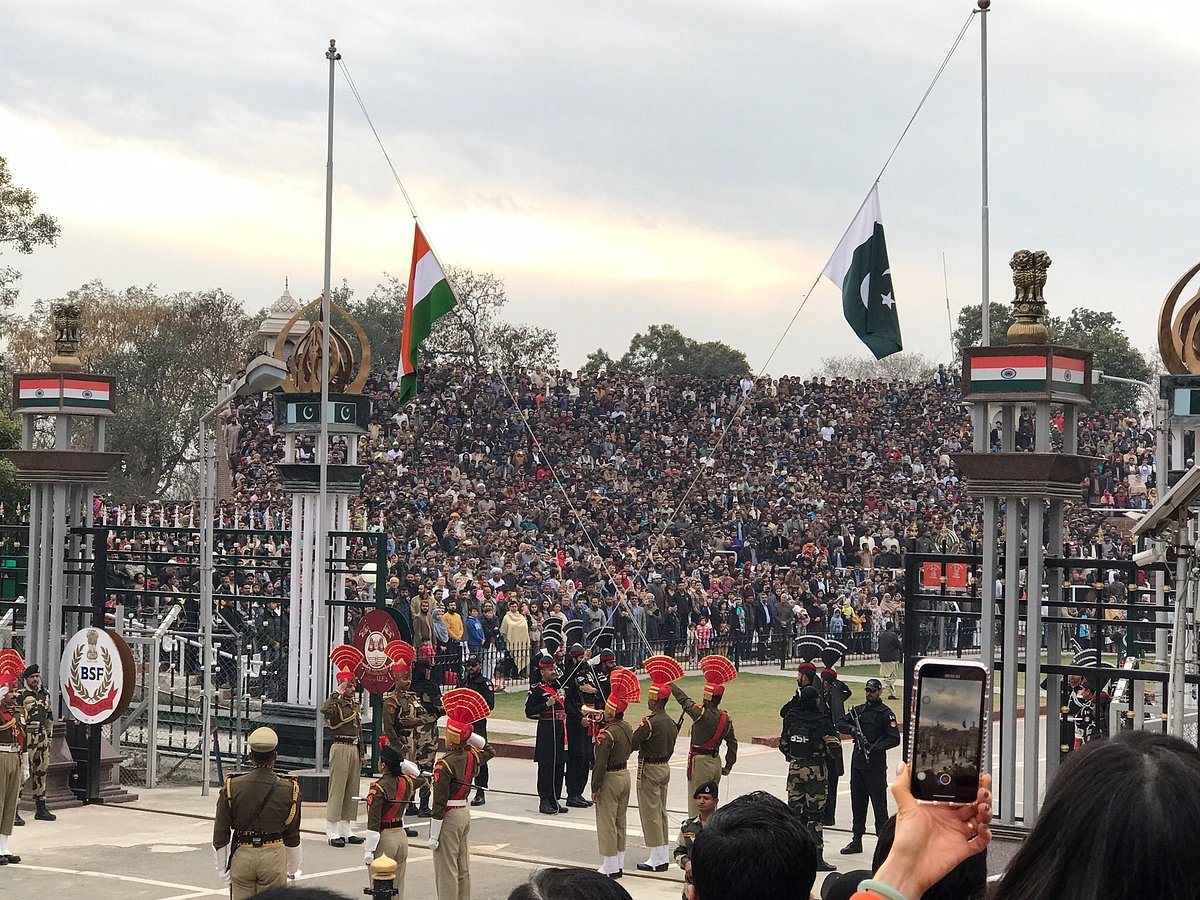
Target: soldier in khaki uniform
[343,715]
[38,716]
[710,726]
[706,803]
[386,799]
[402,712]
[12,746]
[610,776]
[453,774]
[654,739]
[256,835]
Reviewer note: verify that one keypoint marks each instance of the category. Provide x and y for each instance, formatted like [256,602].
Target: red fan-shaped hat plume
[464,707]
[718,672]
[662,671]
[347,658]
[625,689]
[402,654]
[11,663]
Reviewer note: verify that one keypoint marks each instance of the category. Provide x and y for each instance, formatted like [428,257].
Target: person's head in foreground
[1118,823]
[569,884]
[753,846]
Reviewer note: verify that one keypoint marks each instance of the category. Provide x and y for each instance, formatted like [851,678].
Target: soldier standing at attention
[401,710]
[806,740]
[705,797]
[256,835]
[835,693]
[430,710]
[450,830]
[484,687]
[710,726]
[873,726]
[545,704]
[12,746]
[343,716]
[654,739]
[386,799]
[610,777]
[580,689]
[39,721]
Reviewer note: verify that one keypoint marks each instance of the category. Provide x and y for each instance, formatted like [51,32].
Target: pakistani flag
[859,266]
[429,298]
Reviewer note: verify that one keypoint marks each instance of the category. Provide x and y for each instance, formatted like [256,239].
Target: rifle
[860,739]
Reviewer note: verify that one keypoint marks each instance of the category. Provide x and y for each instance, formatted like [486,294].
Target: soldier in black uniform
[581,690]
[875,731]
[476,681]
[544,704]
[834,694]
[1093,708]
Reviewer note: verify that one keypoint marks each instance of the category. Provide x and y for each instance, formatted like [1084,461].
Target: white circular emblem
[1008,373]
[39,393]
[1067,375]
[87,395]
[93,676]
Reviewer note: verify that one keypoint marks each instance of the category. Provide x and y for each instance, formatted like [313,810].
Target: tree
[599,361]
[12,491]
[665,350]
[911,367]
[169,354]
[22,228]
[970,325]
[472,333]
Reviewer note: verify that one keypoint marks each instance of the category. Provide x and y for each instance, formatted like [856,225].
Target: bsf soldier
[256,835]
[610,777]
[705,797]
[450,830]
[38,715]
[386,800]
[874,729]
[12,746]
[401,713]
[710,726]
[807,740]
[486,689]
[654,739]
[343,715]
[430,710]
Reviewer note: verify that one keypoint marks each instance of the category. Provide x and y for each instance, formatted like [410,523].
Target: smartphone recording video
[947,738]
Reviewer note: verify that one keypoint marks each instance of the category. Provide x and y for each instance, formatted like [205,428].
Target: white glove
[221,859]
[435,832]
[410,769]
[295,857]
[370,842]
[477,741]
[24,767]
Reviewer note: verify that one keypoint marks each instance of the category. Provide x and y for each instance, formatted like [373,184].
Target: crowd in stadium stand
[690,514]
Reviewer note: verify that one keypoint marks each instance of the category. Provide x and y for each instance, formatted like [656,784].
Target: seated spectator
[569,884]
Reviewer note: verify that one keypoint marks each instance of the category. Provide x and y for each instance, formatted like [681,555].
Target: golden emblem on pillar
[92,638]
[68,323]
[1179,330]
[1029,306]
[347,375]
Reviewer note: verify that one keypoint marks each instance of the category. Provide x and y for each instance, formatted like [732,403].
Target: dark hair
[1114,825]
[569,884]
[300,893]
[262,757]
[755,828]
[966,881]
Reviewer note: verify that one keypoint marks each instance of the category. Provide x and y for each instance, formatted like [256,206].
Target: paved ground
[159,847]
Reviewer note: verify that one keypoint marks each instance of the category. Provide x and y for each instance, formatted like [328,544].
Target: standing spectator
[891,651]
[514,629]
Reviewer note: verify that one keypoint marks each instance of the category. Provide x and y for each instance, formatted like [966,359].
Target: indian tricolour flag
[429,298]
[1008,374]
[77,391]
[1068,375]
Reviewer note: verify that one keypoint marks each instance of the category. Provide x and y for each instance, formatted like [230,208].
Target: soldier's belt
[250,839]
[352,741]
[696,751]
[384,826]
[654,760]
[456,804]
[619,768]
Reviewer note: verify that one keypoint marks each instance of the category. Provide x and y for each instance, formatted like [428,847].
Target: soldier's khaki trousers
[704,768]
[343,783]
[612,803]
[394,843]
[257,869]
[653,780]
[10,790]
[451,865]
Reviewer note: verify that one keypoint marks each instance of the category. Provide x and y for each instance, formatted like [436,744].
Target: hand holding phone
[948,727]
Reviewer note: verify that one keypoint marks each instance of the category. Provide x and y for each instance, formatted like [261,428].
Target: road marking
[129,878]
[557,822]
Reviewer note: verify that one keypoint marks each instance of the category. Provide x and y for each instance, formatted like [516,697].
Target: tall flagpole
[985,305]
[321,638]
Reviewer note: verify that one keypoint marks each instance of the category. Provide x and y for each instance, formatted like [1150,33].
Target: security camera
[1155,554]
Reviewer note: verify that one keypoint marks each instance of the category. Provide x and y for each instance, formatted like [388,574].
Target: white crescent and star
[864,291]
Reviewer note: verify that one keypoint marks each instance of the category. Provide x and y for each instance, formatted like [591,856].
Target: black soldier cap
[474,660]
[874,684]
[388,754]
[708,789]
[31,670]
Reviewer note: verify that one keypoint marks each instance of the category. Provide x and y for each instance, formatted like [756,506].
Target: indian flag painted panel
[429,298]
[1008,374]
[63,392]
[1068,374]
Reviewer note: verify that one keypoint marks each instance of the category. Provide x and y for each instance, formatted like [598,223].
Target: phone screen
[947,744]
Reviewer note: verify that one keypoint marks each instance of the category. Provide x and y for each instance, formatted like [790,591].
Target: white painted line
[557,821]
[129,878]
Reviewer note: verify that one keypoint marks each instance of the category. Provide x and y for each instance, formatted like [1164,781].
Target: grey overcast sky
[617,164]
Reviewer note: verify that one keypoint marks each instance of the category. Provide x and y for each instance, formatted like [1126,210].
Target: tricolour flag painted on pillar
[429,298]
[859,267]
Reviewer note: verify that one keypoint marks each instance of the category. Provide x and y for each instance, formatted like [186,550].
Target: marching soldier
[386,800]
[484,687]
[807,740]
[343,715]
[12,747]
[705,797]
[430,697]
[545,704]
[710,726]
[256,835]
[610,777]
[1093,709]
[874,729]
[401,710]
[450,830]
[654,739]
[38,716]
